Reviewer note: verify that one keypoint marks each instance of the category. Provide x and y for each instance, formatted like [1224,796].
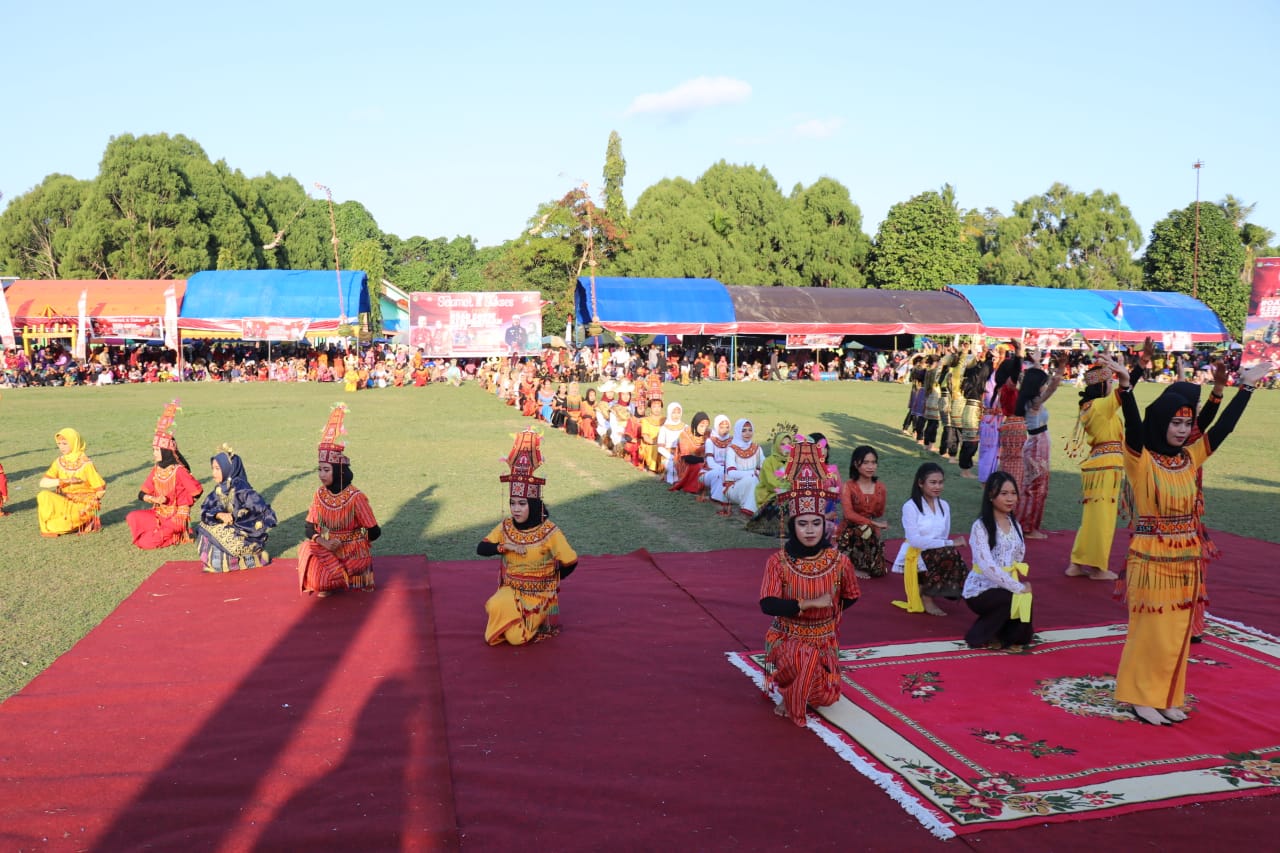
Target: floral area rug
[970,740]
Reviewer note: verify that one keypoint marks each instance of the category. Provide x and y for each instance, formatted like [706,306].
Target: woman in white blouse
[742,469]
[926,521]
[997,544]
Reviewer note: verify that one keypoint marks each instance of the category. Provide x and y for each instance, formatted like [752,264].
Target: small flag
[1118,311]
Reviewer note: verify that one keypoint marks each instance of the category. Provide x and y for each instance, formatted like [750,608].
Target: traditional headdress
[1099,373]
[524,459]
[164,439]
[332,449]
[809,480]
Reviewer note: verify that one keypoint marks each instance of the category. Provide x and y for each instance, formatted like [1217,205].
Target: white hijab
[738,440]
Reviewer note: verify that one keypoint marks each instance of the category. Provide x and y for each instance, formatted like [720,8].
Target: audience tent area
[41,310]
[685,306]
[280,305]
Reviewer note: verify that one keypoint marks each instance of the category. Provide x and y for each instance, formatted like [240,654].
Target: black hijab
[1155,422]
[342,477]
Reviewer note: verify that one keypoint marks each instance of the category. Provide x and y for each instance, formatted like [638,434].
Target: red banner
[273,329]
[814,341]
[475,325]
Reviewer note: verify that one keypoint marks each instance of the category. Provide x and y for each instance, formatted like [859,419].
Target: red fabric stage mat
[229,713]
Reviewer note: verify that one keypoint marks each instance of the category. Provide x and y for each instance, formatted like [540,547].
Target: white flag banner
[171,317]
[6,322]
[81,349]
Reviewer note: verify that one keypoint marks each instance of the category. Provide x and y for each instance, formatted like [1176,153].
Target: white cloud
[691,96]
[818,128]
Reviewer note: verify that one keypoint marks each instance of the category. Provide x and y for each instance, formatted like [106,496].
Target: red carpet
[980,739]
[228,713]
[627,731]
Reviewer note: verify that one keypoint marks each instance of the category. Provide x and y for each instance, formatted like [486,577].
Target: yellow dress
[1101,476]
[72,507]
[649,458]
[1163,575]
[525,607]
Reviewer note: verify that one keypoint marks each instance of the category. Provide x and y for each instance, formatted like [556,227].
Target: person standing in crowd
[998,549]
[932,402]
[535,555]
[340,527]
[169,489]
[976,372]
[929,560]
[863,500]
[1164,569]
[234,519]
[1037,387]
[807,586]
[1013,427]
[74,490]
[1101,474]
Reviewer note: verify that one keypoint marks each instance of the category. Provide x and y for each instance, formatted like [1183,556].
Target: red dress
[802,651]
[689,474]
[166,523]
[345,517]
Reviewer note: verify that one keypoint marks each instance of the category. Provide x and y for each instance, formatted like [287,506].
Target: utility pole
[1195,263]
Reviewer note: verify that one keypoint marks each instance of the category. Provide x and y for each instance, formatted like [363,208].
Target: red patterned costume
[801,646]
[169,488]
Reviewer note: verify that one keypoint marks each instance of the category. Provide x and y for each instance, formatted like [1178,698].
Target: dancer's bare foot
[968,474]
[1075,570]
[1104,575]
[1149,715]
[1035,534]
[931,607]
[1176,715]
[861,575]
[780,709]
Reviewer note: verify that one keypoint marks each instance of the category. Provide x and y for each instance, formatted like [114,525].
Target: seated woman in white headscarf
[742,470]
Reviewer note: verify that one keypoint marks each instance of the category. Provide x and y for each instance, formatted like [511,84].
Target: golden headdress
[332,449]
[523,460]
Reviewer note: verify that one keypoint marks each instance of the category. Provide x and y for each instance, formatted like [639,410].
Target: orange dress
[347,518]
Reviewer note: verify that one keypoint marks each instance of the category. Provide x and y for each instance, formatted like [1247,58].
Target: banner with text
[475,325]
[814,341]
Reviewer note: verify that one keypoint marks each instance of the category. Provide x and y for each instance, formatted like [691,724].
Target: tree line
[159,208]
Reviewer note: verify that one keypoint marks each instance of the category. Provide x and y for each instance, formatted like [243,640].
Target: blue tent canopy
[672,306]
[1012,310]
[321,297]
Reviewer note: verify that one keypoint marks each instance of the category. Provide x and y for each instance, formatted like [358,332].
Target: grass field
[429,460]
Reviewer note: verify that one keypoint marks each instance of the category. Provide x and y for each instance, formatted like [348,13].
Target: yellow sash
[911,579]
[1020,606]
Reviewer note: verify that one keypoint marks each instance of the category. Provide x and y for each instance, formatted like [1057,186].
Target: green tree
[615,172]
[368,255]
[822,243]
[920,247]
[36,227]
[1169,263]
[671,234]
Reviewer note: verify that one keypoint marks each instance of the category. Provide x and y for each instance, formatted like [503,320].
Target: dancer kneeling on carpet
[929,549]
[340,523]
[75,490]
[992,586]
[169,488]
[234,519]
[1164,575]
[535,555]
[806,587]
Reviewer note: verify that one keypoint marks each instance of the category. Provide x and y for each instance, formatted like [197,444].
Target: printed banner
[818,341]
[475,325]
[1177,342]
[6,322]
[1047,338]
[273,329]
[138,328]
[171,317]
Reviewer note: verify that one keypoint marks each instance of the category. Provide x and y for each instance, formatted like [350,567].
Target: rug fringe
[883,781]
[1240,626]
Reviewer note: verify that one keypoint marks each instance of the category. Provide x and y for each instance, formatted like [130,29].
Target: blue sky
[462,120]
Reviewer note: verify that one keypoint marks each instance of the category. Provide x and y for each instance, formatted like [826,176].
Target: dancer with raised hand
[807,586]
[1164,574]
[1036,389]
[534,552]
[340,525]
[1101,474]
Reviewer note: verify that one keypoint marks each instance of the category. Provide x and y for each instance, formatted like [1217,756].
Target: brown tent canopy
[863,311]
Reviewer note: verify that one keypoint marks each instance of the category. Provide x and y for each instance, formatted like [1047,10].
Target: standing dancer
[1101,474]
[1164,570]
[1037,388]
[976,372]
[535,555]
[169,489]
[807,585]
[1013,427]
[340,523]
